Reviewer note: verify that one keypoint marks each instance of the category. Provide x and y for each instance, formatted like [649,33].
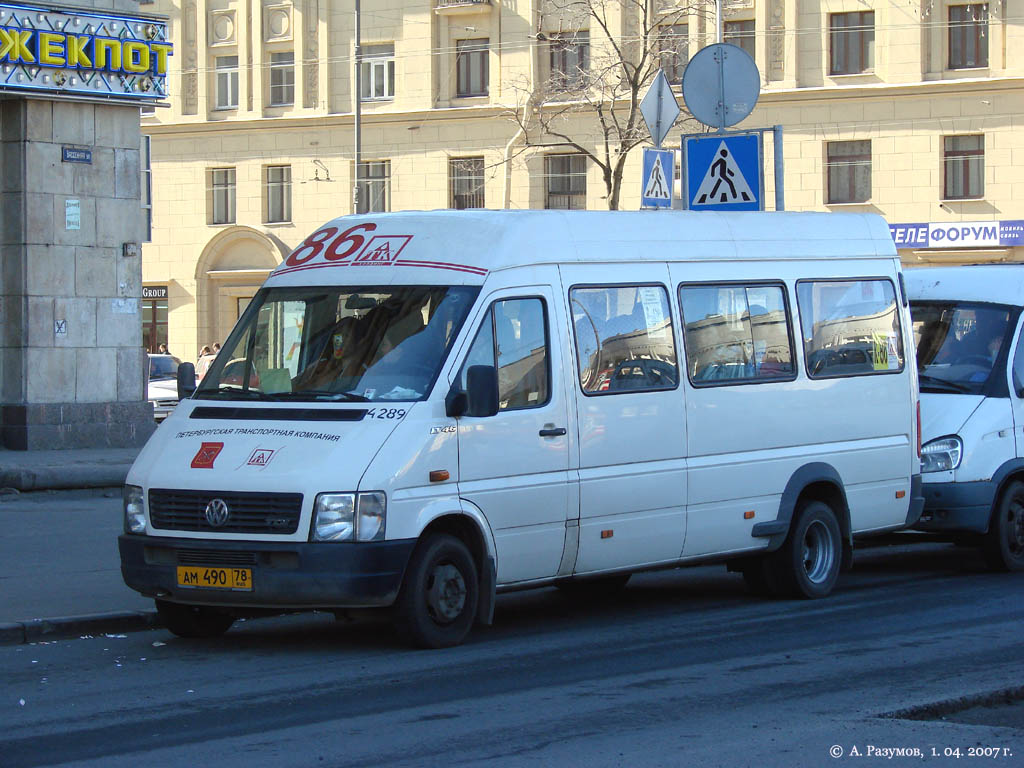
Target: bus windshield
[959,344]
[366,344]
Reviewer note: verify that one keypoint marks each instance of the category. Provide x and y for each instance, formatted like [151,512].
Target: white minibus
[970,354]
[421,410]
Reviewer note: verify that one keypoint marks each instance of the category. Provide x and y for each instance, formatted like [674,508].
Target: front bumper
[298,575]
[957,506]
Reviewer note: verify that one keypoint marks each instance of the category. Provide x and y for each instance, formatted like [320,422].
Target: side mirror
[186,380]
[482,390]
[456,403]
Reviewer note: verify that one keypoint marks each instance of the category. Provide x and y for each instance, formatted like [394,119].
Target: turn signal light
[748,515]
[900,494]
[439,475]
[607,534]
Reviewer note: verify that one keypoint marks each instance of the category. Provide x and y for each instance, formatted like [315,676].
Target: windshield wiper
[319,394]
[950,386]
[230,393]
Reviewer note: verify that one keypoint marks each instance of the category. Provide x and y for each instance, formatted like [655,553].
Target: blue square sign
[723,172]
[658,178]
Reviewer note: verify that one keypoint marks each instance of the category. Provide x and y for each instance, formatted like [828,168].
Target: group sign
[83,53]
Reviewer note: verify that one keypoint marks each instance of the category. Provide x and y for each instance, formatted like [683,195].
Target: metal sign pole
[780,184]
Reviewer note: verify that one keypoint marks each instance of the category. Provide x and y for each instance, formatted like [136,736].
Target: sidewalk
[59,567]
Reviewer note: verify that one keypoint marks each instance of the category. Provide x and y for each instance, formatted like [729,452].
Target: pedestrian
[206,357]
[216,348]
[162,349]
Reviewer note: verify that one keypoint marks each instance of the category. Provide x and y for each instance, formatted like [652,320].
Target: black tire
[597,587]
[437,604]
[1003,545]
[193,620]
[807,565]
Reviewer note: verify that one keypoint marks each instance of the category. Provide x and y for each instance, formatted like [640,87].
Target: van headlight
[941,455]
[134,510]
[349,517]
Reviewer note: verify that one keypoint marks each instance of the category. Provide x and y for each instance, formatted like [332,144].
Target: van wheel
[1003,545]
[600,586]
[437,605]
[193,620]
[807,565]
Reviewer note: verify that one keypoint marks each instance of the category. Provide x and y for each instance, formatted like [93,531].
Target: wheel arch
[813,481]
[1008,472]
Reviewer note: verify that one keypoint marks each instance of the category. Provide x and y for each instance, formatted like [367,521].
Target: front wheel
[193,620]
[807,565]
[437,605]
[1003,545]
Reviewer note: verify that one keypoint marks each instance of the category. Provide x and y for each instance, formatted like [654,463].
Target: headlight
[371,516]
[334,517]
[349,517]
[941,455]
[134,510]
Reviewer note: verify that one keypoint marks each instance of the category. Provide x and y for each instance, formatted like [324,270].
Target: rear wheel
[807,565]
[437,605]
[193,620]
[1003,545]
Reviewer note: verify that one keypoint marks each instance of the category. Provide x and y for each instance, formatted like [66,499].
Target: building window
[221,195]
[566,181]
[154,321]
[570,60]
[741,34]
[673,49]
[146,186]
[282,79]
[374,187]
[466,182]
[968,36]
[963,158]
[851,42]
[377,72]
[278,193]
[227,82]
[471,67]
[848,166]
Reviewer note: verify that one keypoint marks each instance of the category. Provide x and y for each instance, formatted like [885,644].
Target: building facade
[911,110]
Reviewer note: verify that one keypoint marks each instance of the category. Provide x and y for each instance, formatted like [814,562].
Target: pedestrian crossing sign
[658,178]
[723,172]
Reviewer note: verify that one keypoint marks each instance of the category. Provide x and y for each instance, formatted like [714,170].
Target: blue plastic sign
[723,172]
[958,234]
[659,175]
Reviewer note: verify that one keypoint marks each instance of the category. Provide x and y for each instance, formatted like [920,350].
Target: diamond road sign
[659,108]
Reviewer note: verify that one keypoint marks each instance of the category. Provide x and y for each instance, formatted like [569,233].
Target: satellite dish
[721,85]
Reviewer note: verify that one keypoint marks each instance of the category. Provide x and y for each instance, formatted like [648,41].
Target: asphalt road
[681,668]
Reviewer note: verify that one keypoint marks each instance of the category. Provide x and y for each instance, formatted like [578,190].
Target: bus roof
[462,247]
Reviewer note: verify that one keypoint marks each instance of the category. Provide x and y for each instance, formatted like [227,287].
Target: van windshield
[367,343]
[960,344]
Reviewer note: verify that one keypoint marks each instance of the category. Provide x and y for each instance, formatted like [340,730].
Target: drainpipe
[527,107]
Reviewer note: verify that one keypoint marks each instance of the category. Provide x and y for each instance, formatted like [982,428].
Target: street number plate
[215,578]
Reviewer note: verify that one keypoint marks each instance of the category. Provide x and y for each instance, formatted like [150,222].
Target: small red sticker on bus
[206,455]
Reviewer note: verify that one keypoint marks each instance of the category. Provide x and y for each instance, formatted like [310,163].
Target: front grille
[270,513]
[215,557]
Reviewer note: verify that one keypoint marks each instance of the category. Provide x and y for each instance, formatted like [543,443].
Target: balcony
[457,7]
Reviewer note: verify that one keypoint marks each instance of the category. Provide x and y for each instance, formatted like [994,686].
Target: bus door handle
[552,432]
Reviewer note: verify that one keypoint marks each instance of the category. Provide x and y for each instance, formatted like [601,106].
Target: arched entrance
[230,270]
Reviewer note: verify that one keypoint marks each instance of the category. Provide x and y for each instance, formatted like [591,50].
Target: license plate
[204,577]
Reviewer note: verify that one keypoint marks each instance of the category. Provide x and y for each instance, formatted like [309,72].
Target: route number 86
[334,248]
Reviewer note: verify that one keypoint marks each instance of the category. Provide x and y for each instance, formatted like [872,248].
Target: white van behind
[970,353]
[419,410]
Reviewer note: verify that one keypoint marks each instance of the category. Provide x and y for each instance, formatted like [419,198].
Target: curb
[65,478]
[36,630]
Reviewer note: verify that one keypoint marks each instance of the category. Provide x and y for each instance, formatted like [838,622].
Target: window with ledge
[674,50]
[968,36]
[570,60]
[851,43]
[226,70]
[848,170]
[740,34]
[282,79]
[566,182]
[278,193]
[471,67]
[374,187]
[377,72]
[963,160]
[221,195]
[466,182]
[146,159]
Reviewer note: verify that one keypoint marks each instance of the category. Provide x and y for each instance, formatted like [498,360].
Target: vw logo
[217,512]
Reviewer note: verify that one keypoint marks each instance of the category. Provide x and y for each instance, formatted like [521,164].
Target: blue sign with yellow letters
[83,53]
